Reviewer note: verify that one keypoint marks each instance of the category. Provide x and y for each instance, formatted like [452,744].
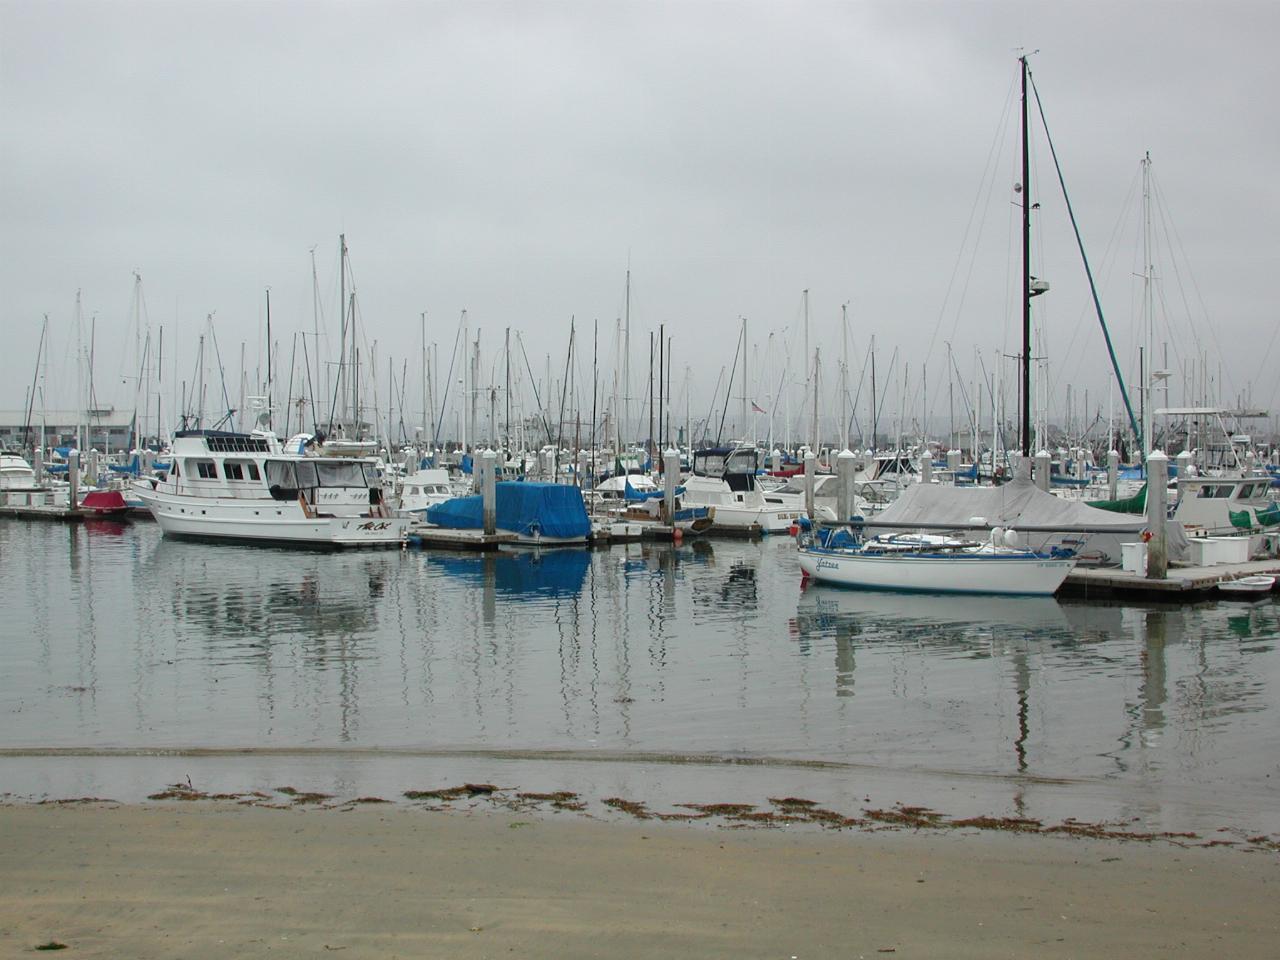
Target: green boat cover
[1135,504]
[1268,517]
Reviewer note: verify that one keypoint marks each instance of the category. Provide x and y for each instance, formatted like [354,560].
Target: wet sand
[210,880]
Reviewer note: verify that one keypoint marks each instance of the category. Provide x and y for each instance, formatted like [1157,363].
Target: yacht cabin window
[1215,491]
[241,470]
[206,469]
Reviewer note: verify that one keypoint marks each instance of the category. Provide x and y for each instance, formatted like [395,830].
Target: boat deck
[1181,583]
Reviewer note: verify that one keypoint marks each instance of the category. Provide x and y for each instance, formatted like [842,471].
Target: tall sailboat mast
[507,352]
[875,410]
[844,375]
[751,438]
[270,416]
[808,371]
[424,383]
[342,312]
[1148,309]
[626,354]
[1026,271]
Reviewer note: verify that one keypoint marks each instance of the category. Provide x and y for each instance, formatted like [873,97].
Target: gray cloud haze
[514,159]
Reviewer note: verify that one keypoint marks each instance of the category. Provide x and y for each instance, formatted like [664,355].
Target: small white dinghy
[1248,586]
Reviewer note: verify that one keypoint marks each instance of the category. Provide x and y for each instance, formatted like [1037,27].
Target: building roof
[105,417]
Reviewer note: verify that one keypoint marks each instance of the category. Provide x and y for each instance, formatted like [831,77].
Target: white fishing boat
[423,489]
[244,487]
[931,564]
[725,478]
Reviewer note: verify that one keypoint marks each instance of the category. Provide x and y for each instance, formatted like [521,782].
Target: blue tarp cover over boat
[528,509]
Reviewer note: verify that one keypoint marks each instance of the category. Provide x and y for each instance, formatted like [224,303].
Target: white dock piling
[1043,466]
[670,477]
[1157,515]
[846,470]
[810,468]
[489,491]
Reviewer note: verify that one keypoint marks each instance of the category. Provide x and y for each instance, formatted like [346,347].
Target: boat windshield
[340,473]
[280,473]
[709,465]
[307,474]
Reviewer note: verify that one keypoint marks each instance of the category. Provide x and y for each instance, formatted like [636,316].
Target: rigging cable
[1115,364]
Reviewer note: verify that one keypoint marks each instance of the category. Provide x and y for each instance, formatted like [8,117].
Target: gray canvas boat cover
[1019,504]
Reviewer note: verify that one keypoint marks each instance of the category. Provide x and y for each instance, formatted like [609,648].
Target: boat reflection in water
[326,600]
[934,616]
[333,664]
[526,573]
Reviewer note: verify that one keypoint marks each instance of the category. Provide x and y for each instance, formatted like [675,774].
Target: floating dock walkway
[28,511]
[443,538]
[1182,583]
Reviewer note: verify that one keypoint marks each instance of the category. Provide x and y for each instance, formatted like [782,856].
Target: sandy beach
[217,880]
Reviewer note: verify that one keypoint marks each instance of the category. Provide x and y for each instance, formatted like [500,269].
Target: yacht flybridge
[245,487]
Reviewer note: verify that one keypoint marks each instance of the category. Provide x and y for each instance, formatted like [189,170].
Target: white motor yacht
[244,487]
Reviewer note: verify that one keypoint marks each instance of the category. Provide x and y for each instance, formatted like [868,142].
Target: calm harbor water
[128,661]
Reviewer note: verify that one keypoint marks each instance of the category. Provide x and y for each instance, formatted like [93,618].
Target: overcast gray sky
[513,159]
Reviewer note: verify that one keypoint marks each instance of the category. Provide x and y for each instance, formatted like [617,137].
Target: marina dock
[45,512]
[1182,583]
[441,537]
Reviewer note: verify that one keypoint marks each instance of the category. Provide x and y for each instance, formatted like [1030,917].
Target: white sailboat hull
[1014,575]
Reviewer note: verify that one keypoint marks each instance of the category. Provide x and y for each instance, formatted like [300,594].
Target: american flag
[756,408]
